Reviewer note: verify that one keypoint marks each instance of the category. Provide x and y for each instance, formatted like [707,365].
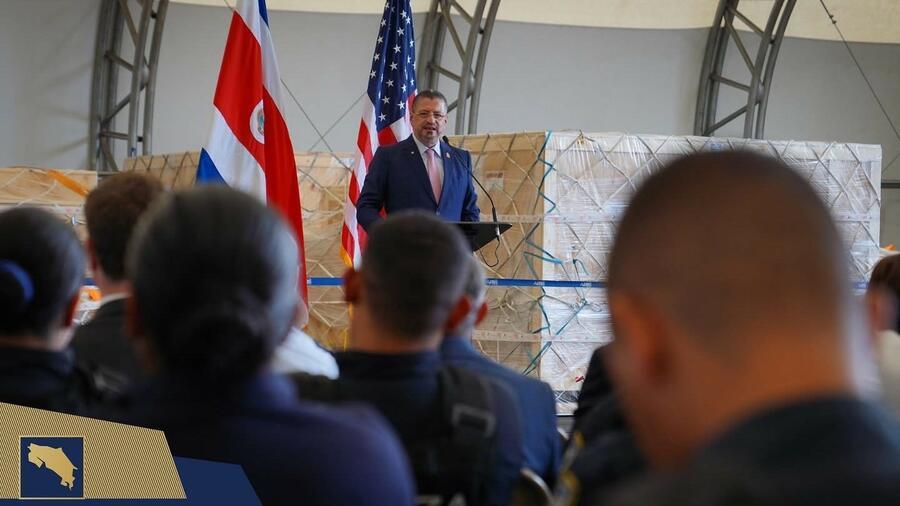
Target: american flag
[385,119]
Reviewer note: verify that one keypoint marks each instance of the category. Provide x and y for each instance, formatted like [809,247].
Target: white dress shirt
[300,353]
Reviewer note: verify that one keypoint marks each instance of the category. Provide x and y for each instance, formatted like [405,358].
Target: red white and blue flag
[385,119]
[249,147]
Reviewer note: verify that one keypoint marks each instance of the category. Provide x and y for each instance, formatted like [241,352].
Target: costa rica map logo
[51,467]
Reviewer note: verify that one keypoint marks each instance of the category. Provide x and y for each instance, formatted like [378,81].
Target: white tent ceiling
[860,20]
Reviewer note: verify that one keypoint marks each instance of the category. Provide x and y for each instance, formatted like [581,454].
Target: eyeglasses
[435,114]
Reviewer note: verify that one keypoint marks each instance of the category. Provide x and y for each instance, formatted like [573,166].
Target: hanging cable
[315,128]
[866,78]
[341,117]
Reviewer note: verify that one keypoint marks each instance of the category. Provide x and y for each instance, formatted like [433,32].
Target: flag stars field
[385,118]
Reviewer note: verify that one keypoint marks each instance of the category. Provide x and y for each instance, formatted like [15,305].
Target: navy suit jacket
[293,451]
[536,404]
[397,180]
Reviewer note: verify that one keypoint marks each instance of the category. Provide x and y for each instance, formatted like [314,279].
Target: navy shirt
[536,401]
[405,388]
[820,452]
[293,451]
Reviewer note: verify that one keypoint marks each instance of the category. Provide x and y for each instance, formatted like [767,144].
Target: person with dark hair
[112,210]
[883,304]
[41,272]
[214,275]
[734,325]
[421,172]
[461,431]
[536,401]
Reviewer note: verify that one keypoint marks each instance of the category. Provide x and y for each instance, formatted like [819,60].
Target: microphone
[472,173]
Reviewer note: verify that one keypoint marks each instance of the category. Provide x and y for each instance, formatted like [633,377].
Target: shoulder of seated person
[100,383]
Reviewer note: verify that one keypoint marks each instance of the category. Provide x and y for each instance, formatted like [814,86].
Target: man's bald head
[727,242]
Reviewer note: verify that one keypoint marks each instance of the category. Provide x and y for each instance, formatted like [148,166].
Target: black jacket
[102,343]
[51,380]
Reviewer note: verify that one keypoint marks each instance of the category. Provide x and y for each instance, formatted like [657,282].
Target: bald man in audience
[536,400]
[733,316]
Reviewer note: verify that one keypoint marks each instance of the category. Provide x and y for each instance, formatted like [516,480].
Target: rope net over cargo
[563,192]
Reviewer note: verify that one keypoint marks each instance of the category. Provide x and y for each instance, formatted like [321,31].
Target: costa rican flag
[249,147]
[385,119]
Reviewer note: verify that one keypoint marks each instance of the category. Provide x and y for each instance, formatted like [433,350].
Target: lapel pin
[446,155]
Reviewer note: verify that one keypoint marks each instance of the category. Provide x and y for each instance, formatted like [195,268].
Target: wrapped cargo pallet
[563,192]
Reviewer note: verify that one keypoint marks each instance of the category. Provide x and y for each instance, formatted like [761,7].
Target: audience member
[882,299]
[112,210]
[537,403]
[461,432]
[41,272]
[733,317]
[214,275]
[601,453]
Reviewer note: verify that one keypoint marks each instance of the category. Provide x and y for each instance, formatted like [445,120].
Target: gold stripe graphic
[120,461]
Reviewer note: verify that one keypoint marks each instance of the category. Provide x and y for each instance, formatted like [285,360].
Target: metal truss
[723,31]
[142,21]
[472,52]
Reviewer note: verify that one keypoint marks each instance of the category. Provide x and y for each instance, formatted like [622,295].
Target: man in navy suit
[535,398]
[420,172]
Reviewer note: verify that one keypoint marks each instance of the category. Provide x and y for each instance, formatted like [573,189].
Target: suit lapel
[411,151]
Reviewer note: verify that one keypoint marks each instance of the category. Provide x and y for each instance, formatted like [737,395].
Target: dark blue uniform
[50,380]
[406,390]
[821,452]
[537,405]
[293,451]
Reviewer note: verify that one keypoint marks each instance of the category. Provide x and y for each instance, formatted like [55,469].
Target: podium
[480,233]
